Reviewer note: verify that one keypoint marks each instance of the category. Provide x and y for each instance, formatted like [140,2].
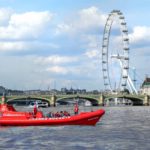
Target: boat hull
[87,118]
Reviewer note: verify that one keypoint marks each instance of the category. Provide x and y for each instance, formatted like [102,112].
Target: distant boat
[38,104]
[72,102]
[118,102]
[87,103]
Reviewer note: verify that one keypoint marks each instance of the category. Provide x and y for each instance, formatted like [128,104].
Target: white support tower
[129,81]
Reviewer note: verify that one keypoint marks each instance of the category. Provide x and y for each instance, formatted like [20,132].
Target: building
[145,88]
[32,92]
[14,92]
[64,90]
[2,90]
[73,91]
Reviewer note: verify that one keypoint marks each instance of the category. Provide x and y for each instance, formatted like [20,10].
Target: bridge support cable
[129,81]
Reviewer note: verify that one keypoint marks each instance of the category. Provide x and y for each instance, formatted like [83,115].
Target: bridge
[95,99]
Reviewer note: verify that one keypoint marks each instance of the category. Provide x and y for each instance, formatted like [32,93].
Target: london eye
[115,62]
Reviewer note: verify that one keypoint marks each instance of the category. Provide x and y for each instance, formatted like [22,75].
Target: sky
[53,44]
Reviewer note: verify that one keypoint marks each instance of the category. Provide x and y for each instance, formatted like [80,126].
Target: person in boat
[61,114]
[66,113]
[57,114]
[76,109]
[49,115]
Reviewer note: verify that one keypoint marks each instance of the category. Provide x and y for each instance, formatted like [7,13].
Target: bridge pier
[53,100]
[146,101]
[101,100]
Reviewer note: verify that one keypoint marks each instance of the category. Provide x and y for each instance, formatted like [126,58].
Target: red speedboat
[10,117]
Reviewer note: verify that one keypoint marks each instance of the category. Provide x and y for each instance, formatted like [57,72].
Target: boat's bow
[88,118]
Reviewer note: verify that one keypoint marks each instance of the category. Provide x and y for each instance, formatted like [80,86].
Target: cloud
[15,46]
[5,14]
[81,72]
[92,53]
[56,59]
[9,46]
[92,47]
[69,66]
[57,70]
[91,17]
[86,19]
[140,35]
[28,25]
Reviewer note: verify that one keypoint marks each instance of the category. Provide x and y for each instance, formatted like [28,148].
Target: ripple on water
[121,128]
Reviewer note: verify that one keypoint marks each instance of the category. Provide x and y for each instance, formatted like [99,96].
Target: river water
[121,128]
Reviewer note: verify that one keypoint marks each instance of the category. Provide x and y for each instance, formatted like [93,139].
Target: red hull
[14,118]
